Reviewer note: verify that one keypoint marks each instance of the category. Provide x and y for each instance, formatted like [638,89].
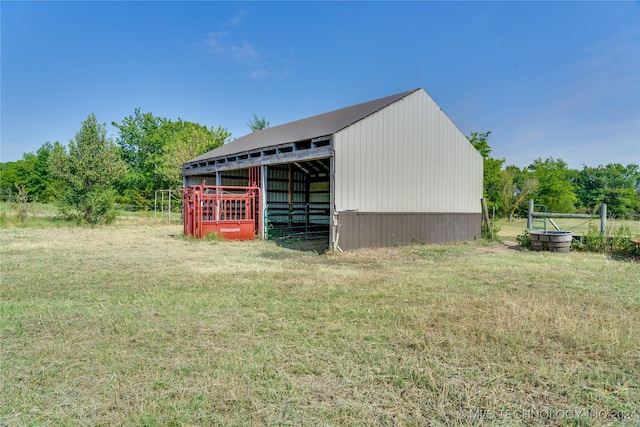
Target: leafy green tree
[41,183]
[614,184]
[12,176]
[556,187]
[516,187]
[189,140]
[155,148]
[140,141]
[258,123]
[31,174]
[87,173]
[492,171]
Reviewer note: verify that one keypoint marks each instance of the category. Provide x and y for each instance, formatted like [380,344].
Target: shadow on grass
[318,245]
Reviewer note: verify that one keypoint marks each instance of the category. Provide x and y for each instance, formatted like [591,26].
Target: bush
[617,243]
[524,239]
[592,241]
[21,205]
[97,207]
[490,231]
[621,244]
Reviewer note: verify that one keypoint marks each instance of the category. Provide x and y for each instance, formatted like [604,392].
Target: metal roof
[305,129]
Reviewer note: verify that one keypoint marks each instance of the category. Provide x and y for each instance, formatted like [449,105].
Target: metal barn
[391,171]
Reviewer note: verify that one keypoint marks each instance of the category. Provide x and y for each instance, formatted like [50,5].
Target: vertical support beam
[290,179]
[307,188]
[217,201]
[307,200]
[218,178]
[333,218]
[603,219]
[263,201]
[530,217]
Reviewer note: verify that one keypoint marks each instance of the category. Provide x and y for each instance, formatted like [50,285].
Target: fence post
[485,213]
[603,219]
[530,216]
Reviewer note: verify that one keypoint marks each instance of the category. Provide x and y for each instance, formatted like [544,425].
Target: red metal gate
[231,212]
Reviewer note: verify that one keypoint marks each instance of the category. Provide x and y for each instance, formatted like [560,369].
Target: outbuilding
[391,171]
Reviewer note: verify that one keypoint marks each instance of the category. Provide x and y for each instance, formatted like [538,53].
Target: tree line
[552,183]
[93,173]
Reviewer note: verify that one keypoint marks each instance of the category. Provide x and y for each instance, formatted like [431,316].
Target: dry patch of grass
[136,325]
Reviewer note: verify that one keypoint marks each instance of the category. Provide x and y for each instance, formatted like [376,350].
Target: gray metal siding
[407,157]
[371,230]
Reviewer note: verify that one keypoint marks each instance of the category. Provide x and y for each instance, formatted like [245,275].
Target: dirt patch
[505,246]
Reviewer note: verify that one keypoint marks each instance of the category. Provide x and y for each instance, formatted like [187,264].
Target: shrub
[621,244]
[21,204]
[617,243]
[592,241]
[524,239]
[490,231]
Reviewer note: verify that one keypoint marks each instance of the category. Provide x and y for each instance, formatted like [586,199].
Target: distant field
[133,324]
[579,226]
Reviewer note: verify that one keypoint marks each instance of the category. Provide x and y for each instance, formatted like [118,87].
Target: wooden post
[493,220]
[603,219]
[530,216]
[485,213]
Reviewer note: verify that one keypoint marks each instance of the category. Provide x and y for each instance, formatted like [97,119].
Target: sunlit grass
[133,324]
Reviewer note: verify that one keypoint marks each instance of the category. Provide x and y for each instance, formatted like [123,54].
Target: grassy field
[133,324]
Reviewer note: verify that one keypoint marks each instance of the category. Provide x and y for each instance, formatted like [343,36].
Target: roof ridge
[399,95]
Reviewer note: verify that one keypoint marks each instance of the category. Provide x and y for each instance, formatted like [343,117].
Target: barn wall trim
[288,153]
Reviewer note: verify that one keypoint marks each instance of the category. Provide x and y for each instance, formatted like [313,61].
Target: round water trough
[553,241]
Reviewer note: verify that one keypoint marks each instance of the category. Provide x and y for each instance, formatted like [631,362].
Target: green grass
[133,324]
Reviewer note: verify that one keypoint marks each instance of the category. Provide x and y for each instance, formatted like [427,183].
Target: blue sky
[549,79]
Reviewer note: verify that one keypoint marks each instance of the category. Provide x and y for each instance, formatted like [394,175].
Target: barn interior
[298,196]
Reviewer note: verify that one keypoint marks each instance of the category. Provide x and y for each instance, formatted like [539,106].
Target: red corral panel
[231,212]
